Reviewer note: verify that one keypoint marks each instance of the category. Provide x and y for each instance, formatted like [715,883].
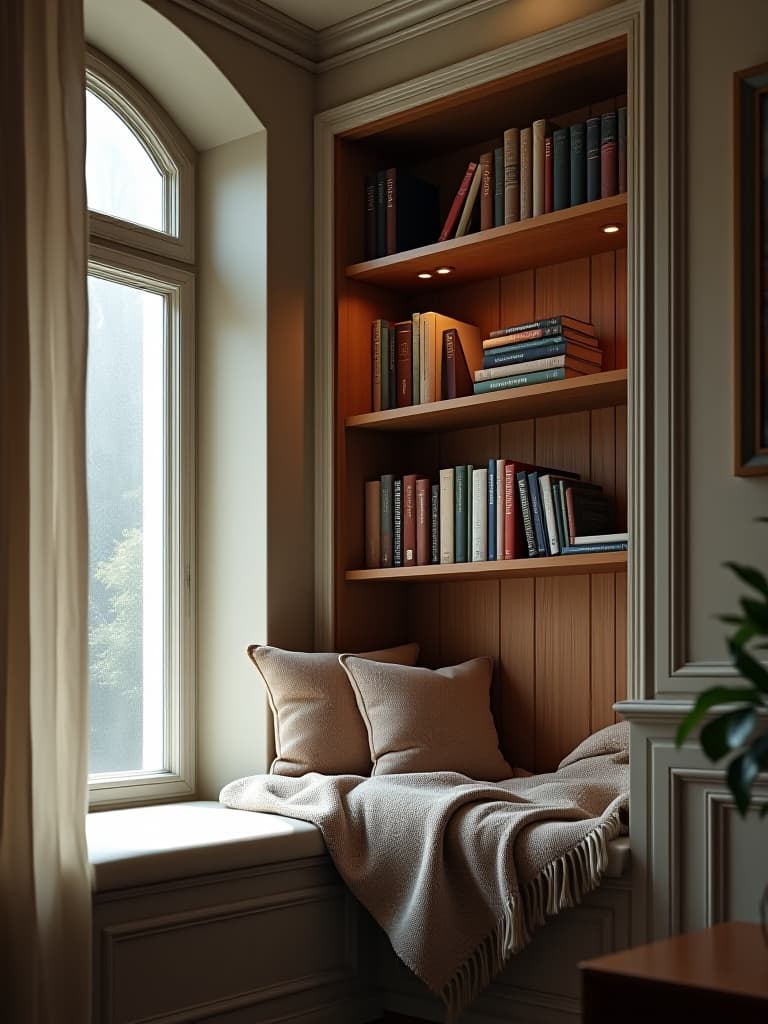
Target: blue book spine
[593,158]
[594,549]
[520,380]
[507,355]
[561,166]
[492,511]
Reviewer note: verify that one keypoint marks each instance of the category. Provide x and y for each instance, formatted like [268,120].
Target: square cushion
[317,725]
[424,720]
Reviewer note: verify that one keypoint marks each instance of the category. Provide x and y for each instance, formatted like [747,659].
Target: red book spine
[548,174]
[409,519]
[486,191]
[608,155]
[423,521]
[458,201]
[403,334]
[390,198]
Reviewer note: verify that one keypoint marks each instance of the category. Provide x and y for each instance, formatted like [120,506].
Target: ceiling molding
[347,41]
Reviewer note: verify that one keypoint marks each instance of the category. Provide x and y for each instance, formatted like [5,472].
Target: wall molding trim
[339,44]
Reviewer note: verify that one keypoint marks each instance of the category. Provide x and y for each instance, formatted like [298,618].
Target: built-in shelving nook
[556,626]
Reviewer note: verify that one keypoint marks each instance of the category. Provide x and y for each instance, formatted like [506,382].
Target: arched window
[139,438]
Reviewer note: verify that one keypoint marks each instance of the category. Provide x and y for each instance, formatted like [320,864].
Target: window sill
[149,845]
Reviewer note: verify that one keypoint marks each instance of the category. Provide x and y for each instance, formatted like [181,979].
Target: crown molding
[339,44]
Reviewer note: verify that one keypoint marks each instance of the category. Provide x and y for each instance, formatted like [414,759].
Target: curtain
[45,897]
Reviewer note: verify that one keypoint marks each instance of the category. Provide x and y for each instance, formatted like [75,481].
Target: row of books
[541,168]
[537,169]
[505,510]
[537,351]
[429,357]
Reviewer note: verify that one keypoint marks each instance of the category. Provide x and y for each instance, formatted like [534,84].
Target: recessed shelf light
[611,229]
[424,275]
[445,270]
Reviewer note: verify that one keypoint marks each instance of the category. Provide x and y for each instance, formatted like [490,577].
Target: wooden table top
[731,958]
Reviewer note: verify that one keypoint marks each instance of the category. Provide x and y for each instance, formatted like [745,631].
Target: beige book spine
[511,175]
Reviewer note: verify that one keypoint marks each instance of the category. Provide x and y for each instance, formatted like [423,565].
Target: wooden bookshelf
[536,242]
[555,626]
[575,394]
[559,565]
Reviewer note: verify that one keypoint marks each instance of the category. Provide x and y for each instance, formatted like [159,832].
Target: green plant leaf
[731,620]
[744,769]
[749,667]
[727,732]
[756,613]
[710,699]
[751,576]
[744,635]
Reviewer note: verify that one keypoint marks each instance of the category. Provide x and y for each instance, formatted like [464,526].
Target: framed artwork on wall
[751,266]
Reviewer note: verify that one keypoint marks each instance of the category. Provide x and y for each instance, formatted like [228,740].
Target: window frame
[143,258]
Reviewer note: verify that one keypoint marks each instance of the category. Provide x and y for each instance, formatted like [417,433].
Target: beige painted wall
[722,38]
[482,32]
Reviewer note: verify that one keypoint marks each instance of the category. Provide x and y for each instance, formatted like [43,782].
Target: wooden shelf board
[536,242]
[559,565]
[575,394]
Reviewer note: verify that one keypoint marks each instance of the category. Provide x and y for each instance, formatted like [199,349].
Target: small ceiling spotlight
[611,229]
[424,275]
[445,270]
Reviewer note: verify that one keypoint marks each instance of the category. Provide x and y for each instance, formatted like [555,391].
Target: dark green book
[460,514]
[578,163]
[522,379]
[561,167]
[593,158]
[470,499]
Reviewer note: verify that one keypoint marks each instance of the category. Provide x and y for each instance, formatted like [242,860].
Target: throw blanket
[458,873]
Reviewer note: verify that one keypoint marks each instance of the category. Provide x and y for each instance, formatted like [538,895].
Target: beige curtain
[45,950]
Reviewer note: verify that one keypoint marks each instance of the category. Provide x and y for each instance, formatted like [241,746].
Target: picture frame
[751,270]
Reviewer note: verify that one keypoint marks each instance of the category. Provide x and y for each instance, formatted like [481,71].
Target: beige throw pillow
[317,725]
[420,720]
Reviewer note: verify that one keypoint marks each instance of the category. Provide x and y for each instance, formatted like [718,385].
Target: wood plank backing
[563,700]
[517,673]
[603,652]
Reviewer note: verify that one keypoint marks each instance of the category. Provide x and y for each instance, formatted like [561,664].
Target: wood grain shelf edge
[558,565]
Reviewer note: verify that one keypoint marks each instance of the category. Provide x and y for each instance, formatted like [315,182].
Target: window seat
[145,845]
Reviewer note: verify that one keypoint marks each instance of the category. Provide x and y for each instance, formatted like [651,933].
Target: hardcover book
[498,186]
[434,524]
[511,175]
[578,141]
[458,202]
[608,155]
[423,522]
[526,173]
[456,376]
[460,514]
[447,549]
[543,363]
[416,358]
[561,320]
[372,524]
[521,380]
[561,166]
[588,511]
[479,515]
[403,330]
[412,211]
[491,511]
[538,136]
[594,549]
[469,203]
[381,213]
[370,216]
[387,522]
[621,126]
[409,519]
[515,355]
[593,158]
[486,191]
[397,522]
[548,201]
[431,328]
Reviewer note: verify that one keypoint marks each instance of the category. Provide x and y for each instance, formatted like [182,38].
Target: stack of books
[536,352]
[503,510]
[538,169]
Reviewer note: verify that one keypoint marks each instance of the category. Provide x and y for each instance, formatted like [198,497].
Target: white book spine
[509,369]
[480,515]
[447,479]
[545,488]
[469,203]
[601,538]
[500,463]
